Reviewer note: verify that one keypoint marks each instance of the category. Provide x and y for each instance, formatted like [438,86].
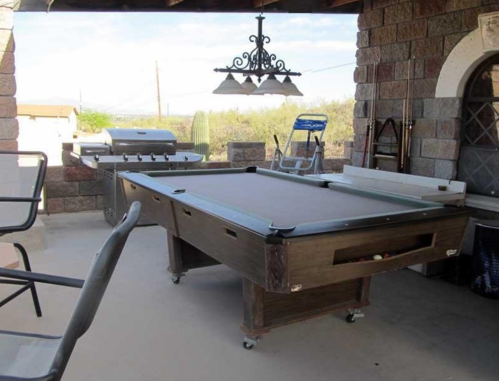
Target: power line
[328,68]
[140,93]
[150,100]
[187,94]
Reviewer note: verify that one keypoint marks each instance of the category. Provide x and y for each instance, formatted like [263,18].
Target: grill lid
[133,141]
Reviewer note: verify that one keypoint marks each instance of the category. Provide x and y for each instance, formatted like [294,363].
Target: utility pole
[159,96]
[80,101]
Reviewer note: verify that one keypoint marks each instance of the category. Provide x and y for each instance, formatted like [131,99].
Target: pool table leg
[184,257]
[265,310]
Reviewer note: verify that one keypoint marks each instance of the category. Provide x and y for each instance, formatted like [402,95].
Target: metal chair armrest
[41,278]
[20,199]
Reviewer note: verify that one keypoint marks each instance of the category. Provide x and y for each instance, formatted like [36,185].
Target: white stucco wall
[46,134]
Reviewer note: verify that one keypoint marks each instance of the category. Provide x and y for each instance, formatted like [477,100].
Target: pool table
[304,247]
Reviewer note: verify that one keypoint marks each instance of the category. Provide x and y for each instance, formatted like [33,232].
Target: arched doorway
[479,158]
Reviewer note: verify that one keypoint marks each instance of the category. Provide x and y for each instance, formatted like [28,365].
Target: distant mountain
[143,112]
[56,101]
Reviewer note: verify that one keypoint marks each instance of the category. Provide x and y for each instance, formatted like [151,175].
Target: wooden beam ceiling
[258,3]
[171,3]
[222,6]
[339,3]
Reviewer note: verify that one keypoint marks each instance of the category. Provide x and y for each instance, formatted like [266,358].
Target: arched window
[479,158]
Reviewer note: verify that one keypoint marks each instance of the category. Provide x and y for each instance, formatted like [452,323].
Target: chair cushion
[26,355]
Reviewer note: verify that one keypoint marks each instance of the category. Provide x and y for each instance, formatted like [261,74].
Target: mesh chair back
[98,278]
[21,180]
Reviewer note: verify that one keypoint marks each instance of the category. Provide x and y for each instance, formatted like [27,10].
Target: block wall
[391,32]
[9,128]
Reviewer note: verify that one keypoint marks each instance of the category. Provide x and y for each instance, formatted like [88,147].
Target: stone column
[426,31]
[9,129]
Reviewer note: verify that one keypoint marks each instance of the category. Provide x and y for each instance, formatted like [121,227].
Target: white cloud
[325,21]
[299,21]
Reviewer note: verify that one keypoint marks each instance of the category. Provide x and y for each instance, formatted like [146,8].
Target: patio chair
[21,180]
[33,357]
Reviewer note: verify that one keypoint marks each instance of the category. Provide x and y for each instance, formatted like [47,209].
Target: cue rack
[400,150]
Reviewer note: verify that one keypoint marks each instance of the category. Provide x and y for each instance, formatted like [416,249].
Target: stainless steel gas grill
[128,150]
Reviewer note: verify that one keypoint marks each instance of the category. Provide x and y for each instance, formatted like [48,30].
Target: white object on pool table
[418,187]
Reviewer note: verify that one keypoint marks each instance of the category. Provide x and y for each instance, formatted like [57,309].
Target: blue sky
[110,58]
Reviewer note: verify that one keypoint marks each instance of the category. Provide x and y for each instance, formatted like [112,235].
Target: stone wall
[9,128]
[391,32]
[74,187]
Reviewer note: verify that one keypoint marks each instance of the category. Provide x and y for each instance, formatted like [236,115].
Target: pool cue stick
[402,137]
[277,154]
[368,125]
[366,141]
[405,124]
[410,109]
[372,122]
[318,165]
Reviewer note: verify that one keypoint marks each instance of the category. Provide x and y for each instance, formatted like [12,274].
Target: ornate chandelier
[258,63]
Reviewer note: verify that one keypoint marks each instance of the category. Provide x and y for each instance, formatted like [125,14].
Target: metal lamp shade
[249,86]
[230,86]
[270,86]
[290,88]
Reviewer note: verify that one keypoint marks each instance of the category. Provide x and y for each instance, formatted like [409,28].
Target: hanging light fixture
[260,63]
[270,86]
[290,88]
[229,86]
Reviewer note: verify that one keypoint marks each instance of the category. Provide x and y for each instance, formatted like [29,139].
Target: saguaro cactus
[200,134]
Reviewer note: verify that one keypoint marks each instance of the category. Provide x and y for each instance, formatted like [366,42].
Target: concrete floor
[149,329]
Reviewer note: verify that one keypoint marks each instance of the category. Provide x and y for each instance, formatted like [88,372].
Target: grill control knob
[153,156]
[125,157]
[139,157]
[96,158]
[166,157]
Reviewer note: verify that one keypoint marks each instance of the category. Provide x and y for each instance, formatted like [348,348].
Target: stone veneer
[391,32]
[74,187]
[9,128]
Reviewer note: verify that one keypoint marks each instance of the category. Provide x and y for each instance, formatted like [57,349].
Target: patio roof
[283,6]
[150,329]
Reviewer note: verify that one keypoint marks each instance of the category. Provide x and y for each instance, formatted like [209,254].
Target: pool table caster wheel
[250,342]
[353,315]
[350,318]
[176,279]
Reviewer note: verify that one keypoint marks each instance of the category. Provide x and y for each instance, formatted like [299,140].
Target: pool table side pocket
[313,262]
